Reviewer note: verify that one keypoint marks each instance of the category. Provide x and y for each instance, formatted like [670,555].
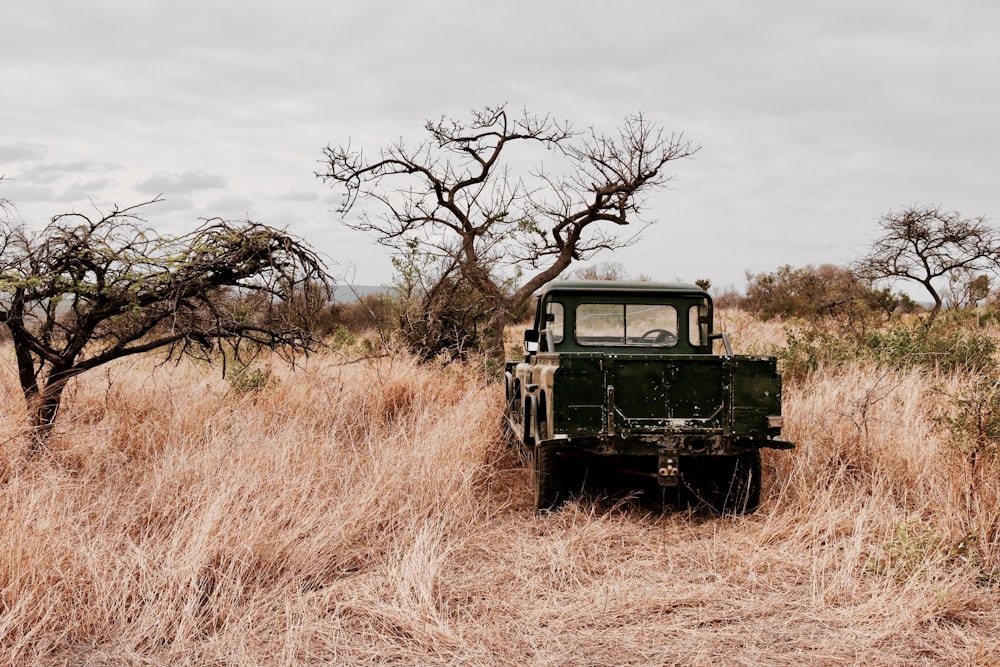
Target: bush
[946,345]
[447,321]
[819,292]
[371,312]
[251,379]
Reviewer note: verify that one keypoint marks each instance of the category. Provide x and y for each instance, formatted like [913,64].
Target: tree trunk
[43,407]
[937,302]
[496,349]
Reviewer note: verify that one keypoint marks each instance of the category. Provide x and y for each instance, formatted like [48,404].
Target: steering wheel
[659,337]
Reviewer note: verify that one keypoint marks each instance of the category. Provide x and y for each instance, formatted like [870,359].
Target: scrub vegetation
[364,508]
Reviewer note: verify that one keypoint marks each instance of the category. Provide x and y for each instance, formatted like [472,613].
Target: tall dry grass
[370,513]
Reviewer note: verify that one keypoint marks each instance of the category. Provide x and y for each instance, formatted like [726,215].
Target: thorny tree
[88,290]
[461,198]
[925,244]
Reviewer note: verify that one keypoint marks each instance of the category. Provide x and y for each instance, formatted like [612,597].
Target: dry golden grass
[370,513]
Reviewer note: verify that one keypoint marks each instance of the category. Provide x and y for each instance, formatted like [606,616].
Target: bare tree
[924,244]
[602,271]
[6,205]
[966,289]
[88,290]
[460,198]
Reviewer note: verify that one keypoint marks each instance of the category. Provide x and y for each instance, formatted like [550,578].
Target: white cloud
[52,172]
[299,195]
[182,183]
[83,190]
[22,192]
[172,204]
[231,206]
[16,152]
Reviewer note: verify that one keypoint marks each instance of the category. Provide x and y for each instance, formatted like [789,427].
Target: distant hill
[349,293]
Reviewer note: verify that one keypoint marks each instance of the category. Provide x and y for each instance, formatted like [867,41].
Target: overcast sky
[814,117]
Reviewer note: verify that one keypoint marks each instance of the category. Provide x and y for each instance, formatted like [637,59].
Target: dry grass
[370,513]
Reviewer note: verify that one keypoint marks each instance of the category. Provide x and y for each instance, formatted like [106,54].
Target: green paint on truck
[620,378]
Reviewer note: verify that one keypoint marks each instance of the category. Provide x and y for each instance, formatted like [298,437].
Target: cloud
[298,195]
[173,204]
[84,190]
[52,172]
[22,192]
[182,183]
[230,206]
[21,151]
[332,200]
[43,186]
[814,119]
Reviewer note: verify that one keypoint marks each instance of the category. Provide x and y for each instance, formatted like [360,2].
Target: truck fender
[513,388]
[535,423]
[530,419]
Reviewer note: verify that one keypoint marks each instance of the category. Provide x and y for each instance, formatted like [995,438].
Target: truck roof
[621,286]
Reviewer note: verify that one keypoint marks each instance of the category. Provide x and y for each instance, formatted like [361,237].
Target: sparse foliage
[307,306]
[811,292]
[369,312]
[459,199]
[943,346]
[602,271]
[973,423]
[927,244]
[967,289]
[606,271]
[88,290]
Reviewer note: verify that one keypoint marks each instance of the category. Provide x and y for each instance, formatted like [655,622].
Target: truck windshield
[640,324]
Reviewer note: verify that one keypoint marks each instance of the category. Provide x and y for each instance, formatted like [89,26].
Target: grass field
[369,512]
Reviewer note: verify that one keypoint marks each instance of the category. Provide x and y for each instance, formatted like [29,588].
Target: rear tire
[548,479]
[737,486]
[727,484]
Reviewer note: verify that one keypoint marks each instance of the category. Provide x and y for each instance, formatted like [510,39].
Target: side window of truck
[554,321]
[697,329]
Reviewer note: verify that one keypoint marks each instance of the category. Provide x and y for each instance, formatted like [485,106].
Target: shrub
[972,421]
[447,321]
[370,312]
[819,292]
[250,379]
[946,345]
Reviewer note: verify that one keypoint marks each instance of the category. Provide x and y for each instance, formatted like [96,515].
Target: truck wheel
[548,479]
[736,486]
[748,465]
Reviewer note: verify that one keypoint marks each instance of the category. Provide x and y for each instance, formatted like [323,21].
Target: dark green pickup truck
[620,380]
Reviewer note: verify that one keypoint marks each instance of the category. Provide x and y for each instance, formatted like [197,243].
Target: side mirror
[531,341]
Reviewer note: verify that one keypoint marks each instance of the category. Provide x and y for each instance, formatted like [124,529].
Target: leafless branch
[464,191]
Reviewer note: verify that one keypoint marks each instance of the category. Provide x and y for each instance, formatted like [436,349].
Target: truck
[620,381]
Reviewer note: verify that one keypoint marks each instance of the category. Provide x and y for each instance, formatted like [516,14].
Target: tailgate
[728,395]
